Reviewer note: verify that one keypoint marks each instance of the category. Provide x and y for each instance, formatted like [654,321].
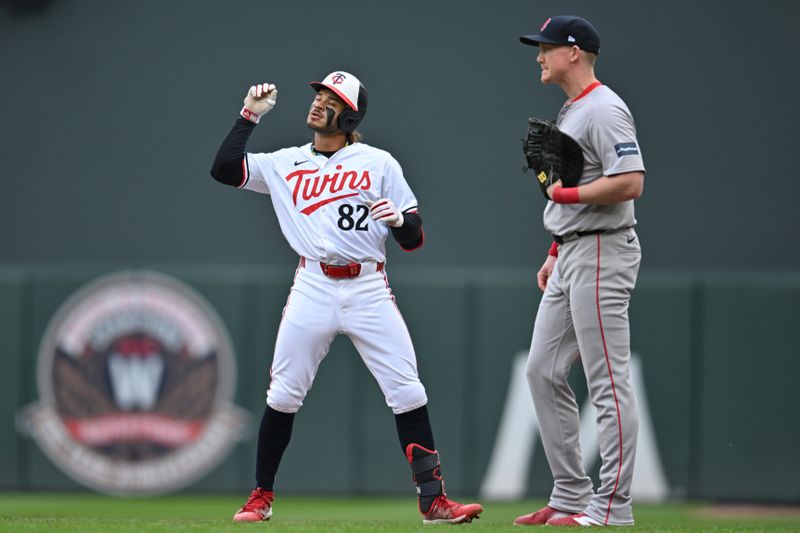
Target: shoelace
[443,503]
[255,502]
[546,512]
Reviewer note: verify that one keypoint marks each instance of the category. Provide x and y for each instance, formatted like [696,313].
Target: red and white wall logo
[136,377]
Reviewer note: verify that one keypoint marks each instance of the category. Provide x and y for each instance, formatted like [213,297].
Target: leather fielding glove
[552,155]
[259,100]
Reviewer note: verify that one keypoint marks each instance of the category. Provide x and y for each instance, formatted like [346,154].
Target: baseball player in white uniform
[587,280]
[337,200]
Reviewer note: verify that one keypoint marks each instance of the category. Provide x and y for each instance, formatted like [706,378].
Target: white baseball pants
[363,308]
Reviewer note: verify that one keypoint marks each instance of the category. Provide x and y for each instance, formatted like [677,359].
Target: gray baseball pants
[583,315]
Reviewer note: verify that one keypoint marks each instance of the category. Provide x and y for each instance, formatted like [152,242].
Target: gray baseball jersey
[603,126]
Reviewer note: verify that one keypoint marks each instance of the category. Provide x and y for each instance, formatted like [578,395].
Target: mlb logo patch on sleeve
[626,149]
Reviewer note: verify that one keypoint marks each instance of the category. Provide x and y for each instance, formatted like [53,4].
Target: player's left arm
[406,225]
[398,208]
[410,235]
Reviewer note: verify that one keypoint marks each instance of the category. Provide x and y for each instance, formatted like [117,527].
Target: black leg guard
[427,475]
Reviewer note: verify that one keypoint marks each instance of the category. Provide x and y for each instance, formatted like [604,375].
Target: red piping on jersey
[610,375]
[313,207]
[270,378]
[244,172]
[421,242]
[587,90]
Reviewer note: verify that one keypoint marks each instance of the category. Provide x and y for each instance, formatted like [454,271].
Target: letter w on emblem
[135,380]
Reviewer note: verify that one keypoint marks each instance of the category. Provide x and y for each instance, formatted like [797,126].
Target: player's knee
[539,371]
[407,398]
[534,368]
[283,401]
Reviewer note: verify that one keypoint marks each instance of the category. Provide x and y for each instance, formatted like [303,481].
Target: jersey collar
[326,154]
[587,90]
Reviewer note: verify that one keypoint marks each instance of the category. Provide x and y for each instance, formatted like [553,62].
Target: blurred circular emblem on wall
[136,377]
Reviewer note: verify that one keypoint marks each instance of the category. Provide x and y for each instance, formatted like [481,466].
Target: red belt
[350,270]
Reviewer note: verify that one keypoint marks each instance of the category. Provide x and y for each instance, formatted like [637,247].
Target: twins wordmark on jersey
[322,204]
[317,189]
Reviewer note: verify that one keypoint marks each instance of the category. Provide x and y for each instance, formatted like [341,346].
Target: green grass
[88,513]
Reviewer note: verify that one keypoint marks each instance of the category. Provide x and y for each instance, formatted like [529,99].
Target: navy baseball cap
[566,30]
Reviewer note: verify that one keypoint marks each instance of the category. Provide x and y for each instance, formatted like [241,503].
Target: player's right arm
[230,163]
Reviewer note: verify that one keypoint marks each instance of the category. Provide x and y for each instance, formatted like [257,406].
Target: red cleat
[540,517]
[258,507]
[445,511]
[575,520]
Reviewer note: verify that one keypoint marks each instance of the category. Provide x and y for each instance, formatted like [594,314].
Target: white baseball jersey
[322,203]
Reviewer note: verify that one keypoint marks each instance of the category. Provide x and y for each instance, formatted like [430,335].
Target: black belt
[561,239]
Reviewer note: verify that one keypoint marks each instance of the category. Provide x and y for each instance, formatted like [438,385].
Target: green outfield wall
[717,354]
[147,90]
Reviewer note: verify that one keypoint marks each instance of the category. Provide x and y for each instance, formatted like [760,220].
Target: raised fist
[259,100]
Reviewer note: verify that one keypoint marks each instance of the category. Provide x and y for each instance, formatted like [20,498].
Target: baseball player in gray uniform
[587,280]
[337,200]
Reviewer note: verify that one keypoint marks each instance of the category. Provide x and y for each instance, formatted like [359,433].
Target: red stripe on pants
[610,375]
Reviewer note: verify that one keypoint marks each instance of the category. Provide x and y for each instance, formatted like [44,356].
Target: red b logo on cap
[546,22]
